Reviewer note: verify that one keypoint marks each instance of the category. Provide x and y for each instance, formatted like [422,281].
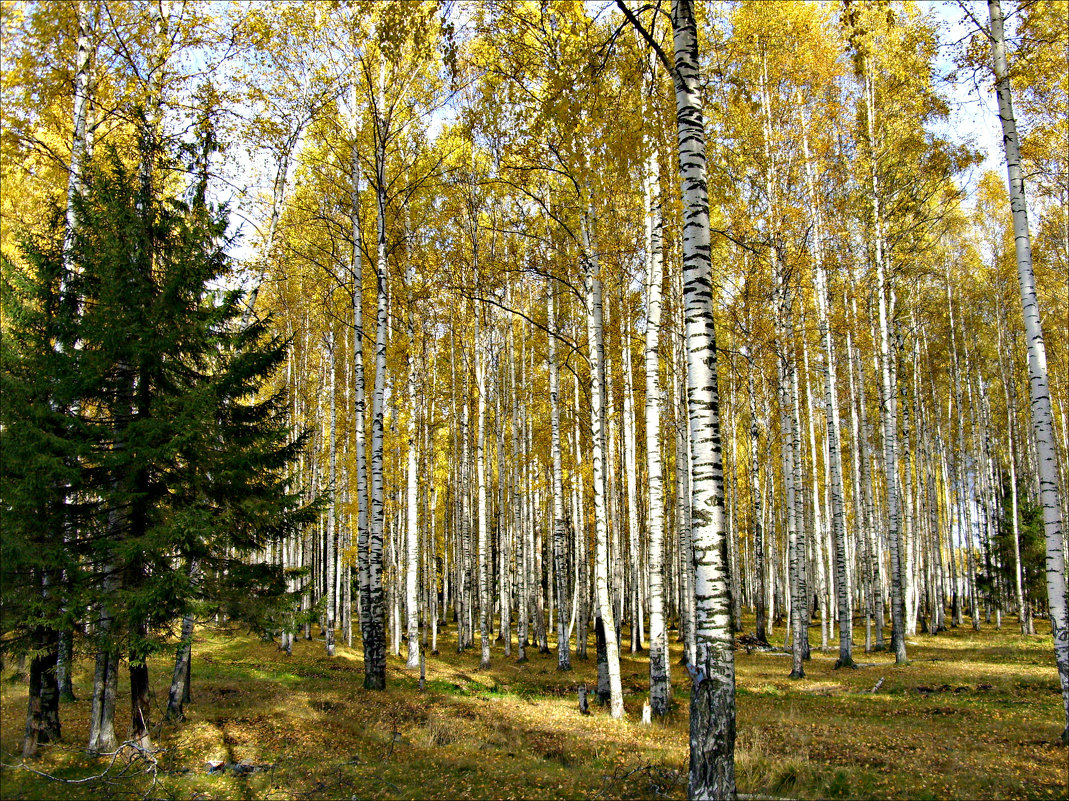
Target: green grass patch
[975,715]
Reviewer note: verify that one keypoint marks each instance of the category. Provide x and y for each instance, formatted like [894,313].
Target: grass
[974,715]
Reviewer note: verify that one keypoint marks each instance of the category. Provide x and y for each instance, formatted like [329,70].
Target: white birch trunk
[888,396]
[375,647]
[796,539]
[80,136]
[1042,418]
[758,531]
[712,718]
[595,345]
[818,521]
[412,514]
[332,513]
[863,439]
[480,480]
[560,542]
[80,148]
[359,406]
[523,577]
[660,688]
[504,539]
[612,495]
[831,412]
[633,561]
[582,580]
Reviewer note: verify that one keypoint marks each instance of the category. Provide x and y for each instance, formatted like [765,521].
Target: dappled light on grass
[973,716]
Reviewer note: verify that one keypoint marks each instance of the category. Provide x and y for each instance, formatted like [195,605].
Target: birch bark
[712,716]
[329,548]
[596,348]
[79,149]
[660,688]
[800,579]
[1011,450]
[375,645]
[831,411]
[480,479]
[360,406]
[755,504]
[503,538]
[80,137]
[817,516]
[863,469]
[635,560]
[523,577]
[560,541]
[412,513]
[582,587]
[888,396]
[1042,419]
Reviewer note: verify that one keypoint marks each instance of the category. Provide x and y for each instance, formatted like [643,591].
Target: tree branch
[638,26]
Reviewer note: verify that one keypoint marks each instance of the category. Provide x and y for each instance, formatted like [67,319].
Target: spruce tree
[193,458]
[41,446]
[133,385]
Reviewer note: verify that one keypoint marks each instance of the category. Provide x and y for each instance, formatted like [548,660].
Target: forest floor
[974,715]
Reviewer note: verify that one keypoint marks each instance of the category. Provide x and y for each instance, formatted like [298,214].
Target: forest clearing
[973,716]
[534,398]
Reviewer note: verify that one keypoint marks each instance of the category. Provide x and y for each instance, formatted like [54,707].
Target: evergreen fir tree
[139,388]
[41,445]
[193,460]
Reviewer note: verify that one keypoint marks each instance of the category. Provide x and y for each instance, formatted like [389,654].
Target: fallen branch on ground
[144,759]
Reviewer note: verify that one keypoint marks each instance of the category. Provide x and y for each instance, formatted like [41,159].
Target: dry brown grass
[973,716]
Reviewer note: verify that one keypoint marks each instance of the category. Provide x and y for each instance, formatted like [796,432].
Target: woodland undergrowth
[974,715]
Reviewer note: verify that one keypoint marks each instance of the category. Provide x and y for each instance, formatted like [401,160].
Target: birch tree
[660,689]
[712,726]
[712,710]
[596,355]
[559,533]
[1042,424]
[831,401]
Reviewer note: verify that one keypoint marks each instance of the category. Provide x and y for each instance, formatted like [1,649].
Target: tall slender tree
[1042,422]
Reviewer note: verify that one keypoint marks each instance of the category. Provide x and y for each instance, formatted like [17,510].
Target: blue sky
[973,109]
